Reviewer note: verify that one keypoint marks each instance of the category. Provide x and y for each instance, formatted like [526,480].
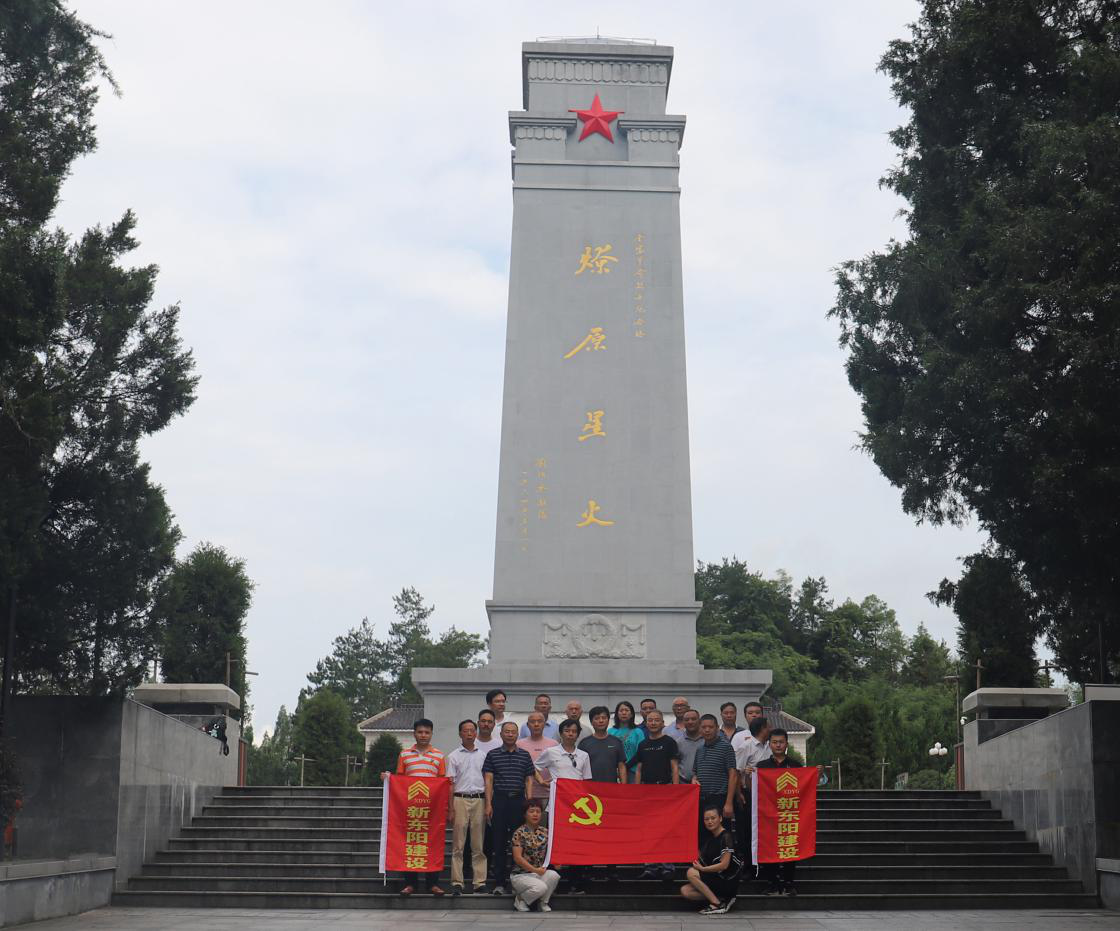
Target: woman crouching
[714,878]
[532,883]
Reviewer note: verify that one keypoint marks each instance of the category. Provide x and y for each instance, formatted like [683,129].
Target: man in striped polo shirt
[715,772]
[508,773]
[421,759]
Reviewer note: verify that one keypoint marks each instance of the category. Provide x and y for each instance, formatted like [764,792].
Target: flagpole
[551,821]
[384,829]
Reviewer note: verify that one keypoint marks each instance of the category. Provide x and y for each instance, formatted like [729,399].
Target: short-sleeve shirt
[414,762]
[748,751]
[630,737]
[713,762]
[564,764]
[606,753]
[712,850]
[551,731]
[465,769]
[535,748]
[688,747]
[510,769]
[533,843]
[656,755]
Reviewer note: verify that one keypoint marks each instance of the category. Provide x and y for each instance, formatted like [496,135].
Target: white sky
[326,190]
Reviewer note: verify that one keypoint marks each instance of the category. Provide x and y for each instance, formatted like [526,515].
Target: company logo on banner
[603,822]
[414,823]
[784,803]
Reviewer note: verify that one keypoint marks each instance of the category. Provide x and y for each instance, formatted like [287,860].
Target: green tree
[355,669]
[325,732]
[998,619]
[927,660]
[271,763]
[371,674]
[87,370]
[202,606]
[381,758]
[984,346]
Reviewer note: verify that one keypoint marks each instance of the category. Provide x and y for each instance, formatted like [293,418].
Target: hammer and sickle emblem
[592,808]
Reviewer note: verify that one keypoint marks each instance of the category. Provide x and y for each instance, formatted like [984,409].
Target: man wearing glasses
[566,761]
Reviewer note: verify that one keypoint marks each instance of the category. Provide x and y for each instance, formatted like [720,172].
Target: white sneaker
[545,907]
[519,905]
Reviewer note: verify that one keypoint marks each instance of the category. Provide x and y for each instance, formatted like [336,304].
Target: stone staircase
[261,847]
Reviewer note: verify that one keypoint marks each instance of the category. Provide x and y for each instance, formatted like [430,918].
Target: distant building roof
[397,718]
[775,717]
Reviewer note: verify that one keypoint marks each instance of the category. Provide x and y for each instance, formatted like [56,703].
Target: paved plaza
[173,919]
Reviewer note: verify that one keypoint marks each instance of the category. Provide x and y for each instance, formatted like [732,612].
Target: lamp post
[938,751]
[956,680]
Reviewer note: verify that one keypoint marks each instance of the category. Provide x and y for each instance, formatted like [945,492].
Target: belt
[508,793]
[469,794]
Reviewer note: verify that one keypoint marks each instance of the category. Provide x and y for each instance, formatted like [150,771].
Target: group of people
[501,772]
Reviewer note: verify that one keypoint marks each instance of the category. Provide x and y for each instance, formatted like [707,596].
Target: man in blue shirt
[543,704]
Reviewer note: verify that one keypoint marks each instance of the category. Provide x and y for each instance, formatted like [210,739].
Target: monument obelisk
[594,593]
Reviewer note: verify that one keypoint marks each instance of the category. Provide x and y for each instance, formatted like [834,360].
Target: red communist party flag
[414,823]
[784,802]
[603,822]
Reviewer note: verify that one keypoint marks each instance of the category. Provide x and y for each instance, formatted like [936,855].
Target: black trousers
[743,828]
[509,813]
[413,879]
[777,874]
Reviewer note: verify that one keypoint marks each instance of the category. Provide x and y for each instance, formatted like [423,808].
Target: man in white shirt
[468,807]
[749,752]
[566,761]
[487,740]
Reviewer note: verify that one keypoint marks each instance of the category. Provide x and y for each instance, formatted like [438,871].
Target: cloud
[327,194]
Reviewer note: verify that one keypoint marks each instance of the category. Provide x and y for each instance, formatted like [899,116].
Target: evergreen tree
[202,606]
[87,370]
[998,619]
[271,763]
[381,758]
[983,347]
[927,660]
[325,732]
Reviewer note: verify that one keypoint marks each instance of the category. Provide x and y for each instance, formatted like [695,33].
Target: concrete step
[853,835]
[836,812]
[859,848]
[208,855]
[598,903]
[911,825]
[282,801]
[318,823]
[830,800]
[303,791]
[301,810]
[632,888]
[295,844]
[225,868]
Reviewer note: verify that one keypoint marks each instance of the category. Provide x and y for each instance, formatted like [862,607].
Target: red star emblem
[596,120]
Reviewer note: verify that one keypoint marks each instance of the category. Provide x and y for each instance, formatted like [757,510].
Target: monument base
[453,695]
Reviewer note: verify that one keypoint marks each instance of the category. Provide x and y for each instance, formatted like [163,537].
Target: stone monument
[594,594]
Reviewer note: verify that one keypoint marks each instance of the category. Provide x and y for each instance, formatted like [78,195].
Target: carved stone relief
[594,636]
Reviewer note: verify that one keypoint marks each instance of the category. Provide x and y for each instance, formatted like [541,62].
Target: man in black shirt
[658,759]
[778,876]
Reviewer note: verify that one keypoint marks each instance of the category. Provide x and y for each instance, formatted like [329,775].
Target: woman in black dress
[714,878]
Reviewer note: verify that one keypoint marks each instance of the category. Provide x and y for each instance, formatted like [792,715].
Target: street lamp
[938,750]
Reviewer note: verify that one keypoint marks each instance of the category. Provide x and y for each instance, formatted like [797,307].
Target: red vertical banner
[414,823]
[785,814]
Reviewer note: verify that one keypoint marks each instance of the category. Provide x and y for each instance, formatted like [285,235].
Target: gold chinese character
[593,427]
[416,864]
[787,841]
[788,803]
[416,824]
[592,342]
[540,463]
[542,515]
[590,518]
[789,816]
[788,853]
[639,333]
[415,850]
[596,262]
